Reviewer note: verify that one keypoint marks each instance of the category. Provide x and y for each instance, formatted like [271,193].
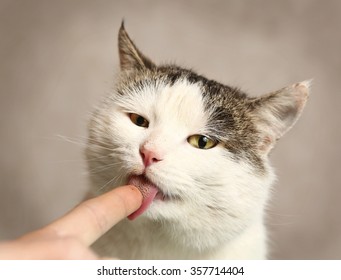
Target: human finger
[93,217]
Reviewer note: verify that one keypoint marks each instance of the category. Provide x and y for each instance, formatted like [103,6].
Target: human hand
[70,236]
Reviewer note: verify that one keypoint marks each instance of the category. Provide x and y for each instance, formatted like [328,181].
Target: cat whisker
[281,224]
[116,178]
[100,169]
[84,144]
[82,160]
[273,213]
[70,140]
[97,158]
[106,184]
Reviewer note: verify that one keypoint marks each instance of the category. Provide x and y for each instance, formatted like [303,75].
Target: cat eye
[201,142]
[138,120]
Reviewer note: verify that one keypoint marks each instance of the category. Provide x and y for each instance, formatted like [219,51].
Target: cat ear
[130,57]
[277,112]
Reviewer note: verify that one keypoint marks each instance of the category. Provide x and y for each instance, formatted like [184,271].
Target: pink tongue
[148,191]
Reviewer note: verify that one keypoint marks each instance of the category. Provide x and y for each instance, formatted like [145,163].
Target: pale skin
[71,236]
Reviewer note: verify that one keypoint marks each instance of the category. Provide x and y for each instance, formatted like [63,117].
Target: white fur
[218,205]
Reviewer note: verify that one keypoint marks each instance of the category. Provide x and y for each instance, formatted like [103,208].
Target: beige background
[57,58]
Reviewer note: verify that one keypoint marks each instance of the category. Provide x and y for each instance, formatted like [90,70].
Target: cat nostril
[149,157]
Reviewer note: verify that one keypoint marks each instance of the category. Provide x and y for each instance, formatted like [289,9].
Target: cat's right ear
[277,112]
[131,59]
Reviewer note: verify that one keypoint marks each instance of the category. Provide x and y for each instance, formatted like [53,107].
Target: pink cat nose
[149,157]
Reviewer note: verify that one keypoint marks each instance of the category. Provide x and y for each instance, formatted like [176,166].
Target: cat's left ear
[131,59]
[277,112]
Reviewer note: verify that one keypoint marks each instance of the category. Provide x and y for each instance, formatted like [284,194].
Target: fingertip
[132,195]
[137,192]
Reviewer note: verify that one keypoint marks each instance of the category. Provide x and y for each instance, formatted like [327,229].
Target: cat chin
[184,232]
[164,210]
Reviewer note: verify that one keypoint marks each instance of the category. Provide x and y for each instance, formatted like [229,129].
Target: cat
[197,150]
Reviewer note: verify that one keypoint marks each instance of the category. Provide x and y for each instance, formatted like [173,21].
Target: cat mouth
[149,190]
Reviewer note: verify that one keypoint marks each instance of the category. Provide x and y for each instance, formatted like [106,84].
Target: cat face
[196,149]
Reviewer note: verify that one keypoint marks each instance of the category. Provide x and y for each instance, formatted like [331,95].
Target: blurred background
[58,58]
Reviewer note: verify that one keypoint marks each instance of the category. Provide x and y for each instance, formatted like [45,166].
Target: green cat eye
[138,120]
[201,141]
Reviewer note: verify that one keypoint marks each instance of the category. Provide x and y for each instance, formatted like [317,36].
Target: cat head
[197,149]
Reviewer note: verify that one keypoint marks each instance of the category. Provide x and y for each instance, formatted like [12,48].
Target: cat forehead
[213,94]
[220,106]
[180,103]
